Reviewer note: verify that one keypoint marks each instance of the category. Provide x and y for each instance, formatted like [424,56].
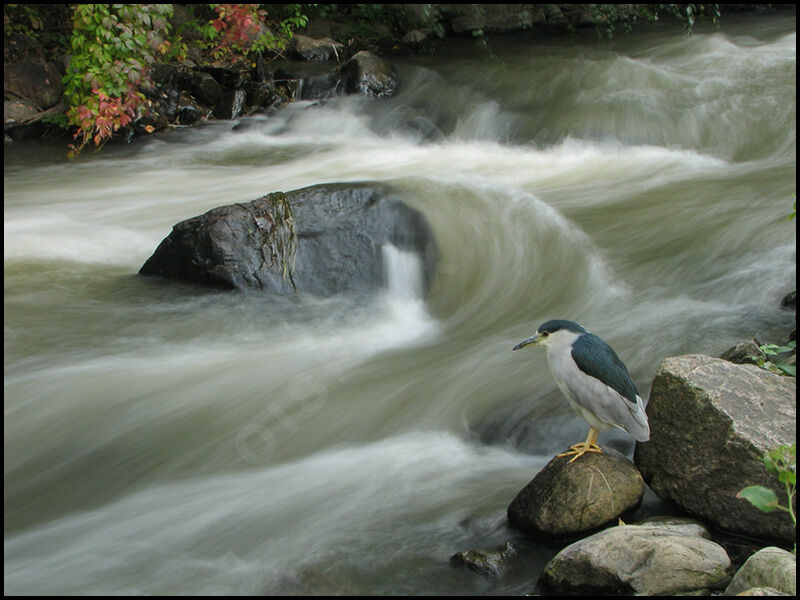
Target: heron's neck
[560,342]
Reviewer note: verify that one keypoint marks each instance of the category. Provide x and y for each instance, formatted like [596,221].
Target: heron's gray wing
[597,359]
[608,392]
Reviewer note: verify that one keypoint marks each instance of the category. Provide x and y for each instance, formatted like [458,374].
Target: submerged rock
[486,563]
[646,560]
[337,231]
[566,498]
[711,422]
[768,568]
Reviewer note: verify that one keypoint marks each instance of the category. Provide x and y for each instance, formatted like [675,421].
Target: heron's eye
[545,334]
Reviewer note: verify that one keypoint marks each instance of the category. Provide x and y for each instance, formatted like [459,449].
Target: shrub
[112,46]
[246,28]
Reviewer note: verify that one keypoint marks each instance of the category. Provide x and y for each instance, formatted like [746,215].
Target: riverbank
[212,87]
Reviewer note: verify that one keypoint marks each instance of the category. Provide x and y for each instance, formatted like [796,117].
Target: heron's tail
[638,426]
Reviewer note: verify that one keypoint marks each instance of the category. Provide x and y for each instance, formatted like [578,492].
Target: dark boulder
[565,499]
[367,74]
[318,87]
[307,48]
[323,240]
[201,86]
[263,95]
[31,91]
[163,73]
[229,79]
[315,81]
[38,83]
[711,422]
[187,110]
[231,104]
[789,301]
[745,353]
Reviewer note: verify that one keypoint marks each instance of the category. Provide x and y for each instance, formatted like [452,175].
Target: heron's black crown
[558,324]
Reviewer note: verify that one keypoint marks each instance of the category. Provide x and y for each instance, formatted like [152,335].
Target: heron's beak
[534,339]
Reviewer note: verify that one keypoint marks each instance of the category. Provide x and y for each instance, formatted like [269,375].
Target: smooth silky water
[162,438]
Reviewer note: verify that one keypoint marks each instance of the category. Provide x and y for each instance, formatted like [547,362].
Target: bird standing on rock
[594,380]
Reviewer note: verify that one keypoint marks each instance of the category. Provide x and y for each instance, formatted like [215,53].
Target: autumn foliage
[112,47]
[238,25]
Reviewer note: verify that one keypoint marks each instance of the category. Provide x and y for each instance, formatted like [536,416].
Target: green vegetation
[112,45]
[41,30]
[775,350]
[780,461]
[280,239]
[627,15]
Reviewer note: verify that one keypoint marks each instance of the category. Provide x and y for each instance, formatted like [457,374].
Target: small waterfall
[409,321]
[403,273]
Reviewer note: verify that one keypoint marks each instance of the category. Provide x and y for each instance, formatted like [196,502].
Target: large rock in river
[323,240]
[711,422]
[565,499]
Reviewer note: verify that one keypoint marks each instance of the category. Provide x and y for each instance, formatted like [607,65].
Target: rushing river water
[165,439]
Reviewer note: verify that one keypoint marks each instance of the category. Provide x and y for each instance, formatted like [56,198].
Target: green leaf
[770,464]
[762,498]
[787,476]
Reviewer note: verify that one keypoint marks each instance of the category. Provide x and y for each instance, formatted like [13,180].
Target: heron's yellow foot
[580,449]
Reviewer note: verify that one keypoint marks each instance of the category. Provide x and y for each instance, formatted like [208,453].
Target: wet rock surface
[647,559]
[565,499]
[489,563]
[711,422]
[770,567]
[339,231]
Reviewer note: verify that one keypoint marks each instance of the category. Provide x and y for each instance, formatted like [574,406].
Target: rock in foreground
[711,423]
[566,498]
[768,568]
[338,232]
[647,560]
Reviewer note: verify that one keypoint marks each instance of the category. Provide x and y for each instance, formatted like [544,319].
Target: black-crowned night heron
[594,380]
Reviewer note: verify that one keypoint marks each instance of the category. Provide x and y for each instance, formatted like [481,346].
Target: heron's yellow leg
[590,445]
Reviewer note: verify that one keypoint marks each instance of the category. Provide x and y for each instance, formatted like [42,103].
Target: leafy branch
[780,461]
